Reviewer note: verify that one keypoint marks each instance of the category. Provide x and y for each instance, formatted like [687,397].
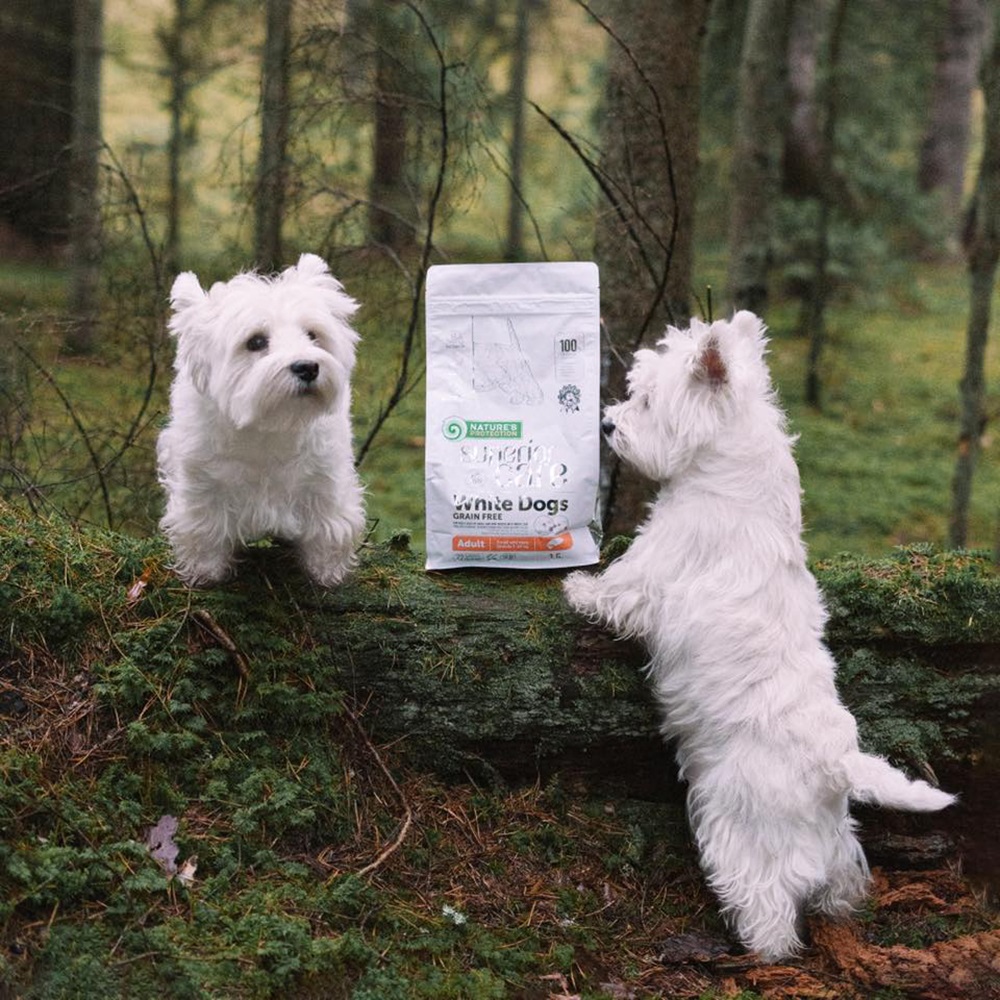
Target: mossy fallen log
[494,667]
[475,673]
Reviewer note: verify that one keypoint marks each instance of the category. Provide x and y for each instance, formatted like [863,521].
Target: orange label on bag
[512,543]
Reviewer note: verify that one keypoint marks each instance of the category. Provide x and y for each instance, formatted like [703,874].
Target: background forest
[813,161]
[447,786]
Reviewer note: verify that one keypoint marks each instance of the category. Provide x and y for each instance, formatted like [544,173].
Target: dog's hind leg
[763,868]
[762,898]
[847,873]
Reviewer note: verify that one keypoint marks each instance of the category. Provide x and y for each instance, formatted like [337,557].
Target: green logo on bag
[455,429]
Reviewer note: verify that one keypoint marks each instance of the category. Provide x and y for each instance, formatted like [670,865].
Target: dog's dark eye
[312,334]
[257,342]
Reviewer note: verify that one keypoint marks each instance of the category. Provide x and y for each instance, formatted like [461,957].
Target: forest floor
[530,895]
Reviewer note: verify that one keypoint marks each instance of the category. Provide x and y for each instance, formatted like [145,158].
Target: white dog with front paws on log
[716,585]
[259,437]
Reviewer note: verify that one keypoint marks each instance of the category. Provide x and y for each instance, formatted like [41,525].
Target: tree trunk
[803,153]
[972,392]
[759,129]
[173,42]
[484,672]
[645,225]
[515,98]
[983,248]
[85,214]
[945,145]
[814,307]
[274,115]
[36,68]
[390,215]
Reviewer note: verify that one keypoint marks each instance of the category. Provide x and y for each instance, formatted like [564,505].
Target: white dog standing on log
[716,585]
[259,438]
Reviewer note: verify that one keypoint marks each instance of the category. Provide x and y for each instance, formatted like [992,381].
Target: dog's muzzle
[305,371]
[607,427]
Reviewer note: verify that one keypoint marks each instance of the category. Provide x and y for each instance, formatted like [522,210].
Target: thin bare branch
[95,461]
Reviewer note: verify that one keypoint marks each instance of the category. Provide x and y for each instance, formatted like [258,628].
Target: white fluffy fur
[253,449]
[716,585]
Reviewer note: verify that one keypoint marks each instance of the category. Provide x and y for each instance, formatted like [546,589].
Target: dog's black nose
[305,371]
[607,427]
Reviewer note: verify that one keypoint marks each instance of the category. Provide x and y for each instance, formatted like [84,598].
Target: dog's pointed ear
[311,266]
[314,270]
[186,295]
[751,328]
[710,367]
[187,291]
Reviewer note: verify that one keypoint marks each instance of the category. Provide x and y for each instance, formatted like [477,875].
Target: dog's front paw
[581,590]
[330,576]
[202,573]
[327,566]
[329,552]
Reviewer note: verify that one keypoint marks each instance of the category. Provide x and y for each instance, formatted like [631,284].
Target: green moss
[916,594]
[906,629]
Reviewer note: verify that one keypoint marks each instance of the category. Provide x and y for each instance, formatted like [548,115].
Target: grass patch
[26,287]
[120,706]
[877,461]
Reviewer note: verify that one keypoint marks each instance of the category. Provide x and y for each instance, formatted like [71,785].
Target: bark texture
[803,154]
[35,126]
[391,210]
[275,110]
[645,222]
[983,248]
[760,116]
[960,969]
[85,199]
[492,673]
[945,145]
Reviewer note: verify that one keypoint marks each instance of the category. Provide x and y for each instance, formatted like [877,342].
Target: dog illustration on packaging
[499,363]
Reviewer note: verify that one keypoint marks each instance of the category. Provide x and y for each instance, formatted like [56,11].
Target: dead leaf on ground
[563,982]
[692,947]
[160,843]
[139,585]
[186,872]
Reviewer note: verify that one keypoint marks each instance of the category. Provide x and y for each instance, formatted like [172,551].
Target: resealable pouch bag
[513,415]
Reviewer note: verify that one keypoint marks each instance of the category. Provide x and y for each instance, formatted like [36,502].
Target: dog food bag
[513,415]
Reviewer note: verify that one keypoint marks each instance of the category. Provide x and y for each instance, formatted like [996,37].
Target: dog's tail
[874,781]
